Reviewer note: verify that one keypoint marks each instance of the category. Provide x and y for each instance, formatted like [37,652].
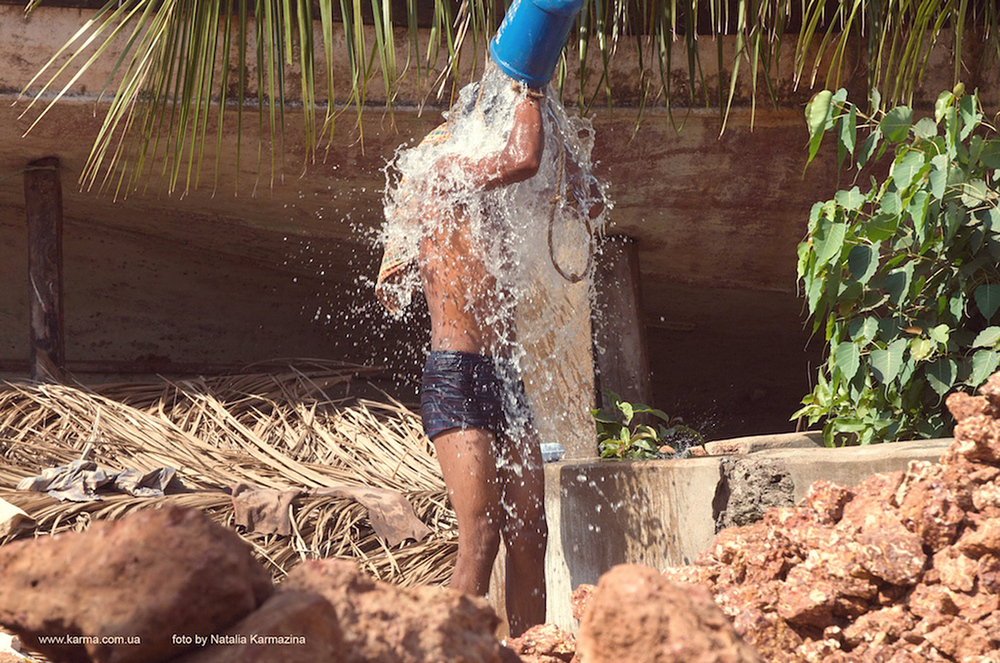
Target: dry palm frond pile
[277,431]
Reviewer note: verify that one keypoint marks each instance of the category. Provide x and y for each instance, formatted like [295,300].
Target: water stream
[535,238]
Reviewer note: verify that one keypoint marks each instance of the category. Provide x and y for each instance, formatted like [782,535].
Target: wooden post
[43,207]
[619,329]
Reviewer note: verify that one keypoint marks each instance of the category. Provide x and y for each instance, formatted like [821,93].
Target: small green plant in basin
[620,437]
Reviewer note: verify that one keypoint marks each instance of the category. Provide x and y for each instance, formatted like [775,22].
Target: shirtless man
[473,404]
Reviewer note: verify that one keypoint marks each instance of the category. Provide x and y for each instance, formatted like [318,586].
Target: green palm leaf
[183,62]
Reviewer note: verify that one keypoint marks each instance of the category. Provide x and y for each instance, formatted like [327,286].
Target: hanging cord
[557,202]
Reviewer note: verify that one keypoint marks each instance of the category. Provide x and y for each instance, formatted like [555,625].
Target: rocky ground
[170,584]
[903,567]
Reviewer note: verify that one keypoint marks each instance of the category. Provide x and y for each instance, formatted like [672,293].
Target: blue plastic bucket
[530,39]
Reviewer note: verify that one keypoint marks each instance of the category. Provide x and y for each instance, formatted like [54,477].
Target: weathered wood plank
[43,209]
[620,350]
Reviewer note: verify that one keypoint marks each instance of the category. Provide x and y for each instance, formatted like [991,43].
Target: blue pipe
[531,38]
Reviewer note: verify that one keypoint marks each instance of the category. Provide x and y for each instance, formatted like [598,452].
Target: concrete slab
[852,465]
[755,443]
[663,513]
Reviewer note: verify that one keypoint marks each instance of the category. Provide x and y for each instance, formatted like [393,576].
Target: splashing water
[534,238]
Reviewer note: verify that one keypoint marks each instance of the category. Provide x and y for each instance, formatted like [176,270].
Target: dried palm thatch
[274,430]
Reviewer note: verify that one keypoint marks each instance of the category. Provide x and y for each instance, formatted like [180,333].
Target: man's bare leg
[470,474]
[525,532]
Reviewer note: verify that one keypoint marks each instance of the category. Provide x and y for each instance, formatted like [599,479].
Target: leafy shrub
[619,438]
[903,278]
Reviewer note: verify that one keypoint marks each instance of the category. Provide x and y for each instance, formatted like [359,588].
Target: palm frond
[182,63]
[274,430]
[895,39]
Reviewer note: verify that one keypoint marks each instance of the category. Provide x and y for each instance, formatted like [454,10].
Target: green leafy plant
[618,437]
[902,278]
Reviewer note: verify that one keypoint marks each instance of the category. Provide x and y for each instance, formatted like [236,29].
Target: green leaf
[873,300]
[905,169]
[984,363]
[881,226]
[990,156]
[626,409]
[969,115]
[944,100]
[888,329]
[987,338]
[917,209]
[976,145]
[875,97]
[660,414]
[938,177]
[954,217]
[814,291]
[987,298]
[897,283]
[849,425]
[886,363]
[849,131]
[956,305]
[925,128]
[891,205]
[848,359]
[869,329]
[828,243]
[645,444]
[940,333]
[951,132]
[921,348]
[644,432]
[604,417]
[896,124]
[868,147]
[613,397]
[991,220]
[941,375]
[975,193]
[862,262]
[818,114]
[850,200]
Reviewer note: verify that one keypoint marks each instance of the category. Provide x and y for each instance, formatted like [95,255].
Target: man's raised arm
[522,155]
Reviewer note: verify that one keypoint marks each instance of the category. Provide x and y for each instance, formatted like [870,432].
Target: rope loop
[556,203]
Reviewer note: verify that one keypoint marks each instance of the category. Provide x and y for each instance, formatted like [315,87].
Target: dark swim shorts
[467,390]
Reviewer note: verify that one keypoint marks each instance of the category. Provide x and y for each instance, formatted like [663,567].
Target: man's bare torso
[463,297]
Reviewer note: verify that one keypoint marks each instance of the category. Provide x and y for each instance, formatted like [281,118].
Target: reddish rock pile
[143,579]
[636,615]
[170,584]
[639,616]
[545,643]
[392,624]
[903,567]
